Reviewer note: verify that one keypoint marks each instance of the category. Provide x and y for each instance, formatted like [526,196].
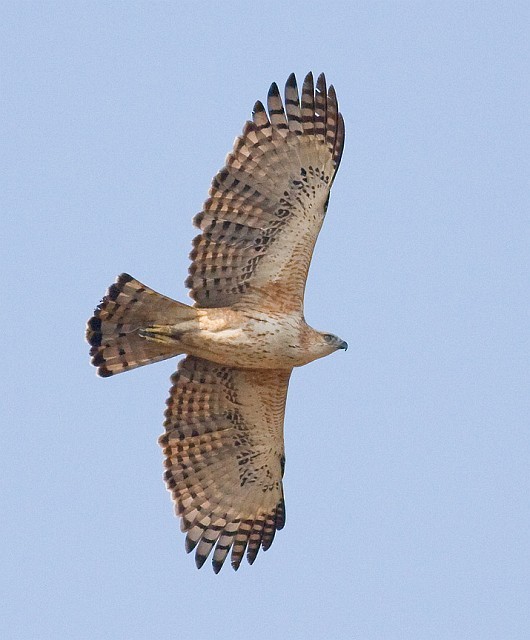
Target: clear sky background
[407,477]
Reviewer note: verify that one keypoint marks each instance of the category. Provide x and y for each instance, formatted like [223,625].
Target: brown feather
[267,204]
[224,447]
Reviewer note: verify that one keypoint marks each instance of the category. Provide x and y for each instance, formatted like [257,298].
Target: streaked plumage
[223,440]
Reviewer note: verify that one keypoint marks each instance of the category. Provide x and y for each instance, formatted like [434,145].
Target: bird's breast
[251,340]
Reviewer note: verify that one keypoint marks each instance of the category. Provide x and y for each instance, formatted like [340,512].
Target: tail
[118,330]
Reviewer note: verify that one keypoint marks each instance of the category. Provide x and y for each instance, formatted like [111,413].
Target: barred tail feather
[116,331]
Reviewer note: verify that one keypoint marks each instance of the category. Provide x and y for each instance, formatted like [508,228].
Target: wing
[224,457]
[266,206]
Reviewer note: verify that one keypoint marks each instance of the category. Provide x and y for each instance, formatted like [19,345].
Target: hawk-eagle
[223,440]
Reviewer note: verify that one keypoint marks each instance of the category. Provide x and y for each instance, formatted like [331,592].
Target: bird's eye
[328,337]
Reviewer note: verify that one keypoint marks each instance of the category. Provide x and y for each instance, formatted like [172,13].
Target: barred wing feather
[266,206]
[224,457]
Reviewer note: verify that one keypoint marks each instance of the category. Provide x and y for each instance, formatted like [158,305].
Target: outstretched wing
[266,206]
[224,457]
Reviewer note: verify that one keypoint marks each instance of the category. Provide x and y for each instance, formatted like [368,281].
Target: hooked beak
[343,345]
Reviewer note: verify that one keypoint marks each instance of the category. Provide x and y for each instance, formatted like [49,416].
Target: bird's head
[331,343]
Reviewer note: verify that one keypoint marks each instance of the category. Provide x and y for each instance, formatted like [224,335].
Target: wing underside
[266,206]
[224,458]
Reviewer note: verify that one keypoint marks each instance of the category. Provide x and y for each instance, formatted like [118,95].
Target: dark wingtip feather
[273,90]
[98,360]
[94,324]
[190,544]
[200,560]
[93,333]
[103,372]
[113,292]
[258,107]
[123,279]
[217,566]
[291,81]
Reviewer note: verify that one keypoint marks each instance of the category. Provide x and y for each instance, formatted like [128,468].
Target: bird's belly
[256,343]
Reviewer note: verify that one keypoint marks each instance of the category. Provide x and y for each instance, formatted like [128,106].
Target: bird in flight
[223,441]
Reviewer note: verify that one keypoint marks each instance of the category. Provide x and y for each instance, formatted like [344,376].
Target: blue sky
[407,457]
